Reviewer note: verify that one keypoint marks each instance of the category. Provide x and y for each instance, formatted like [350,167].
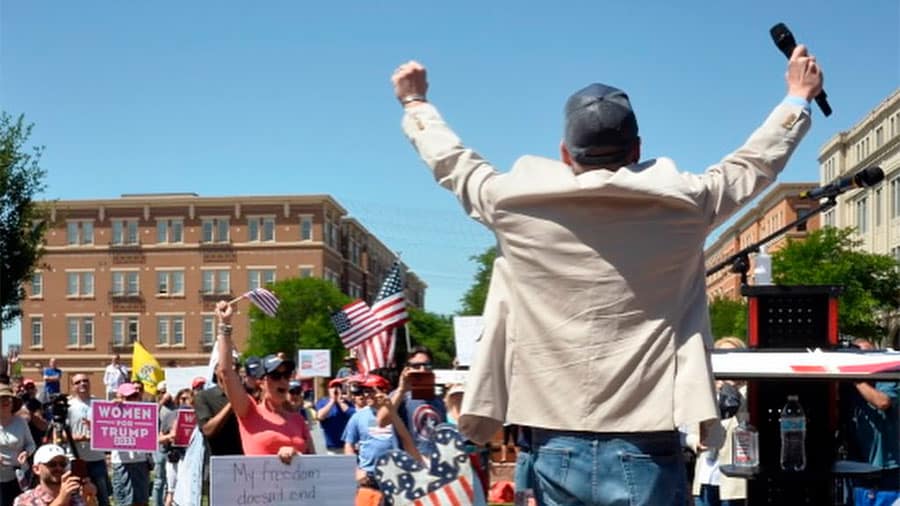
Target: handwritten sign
[466,330]
[309,480]
[184,426]
[127,426]
[314,363]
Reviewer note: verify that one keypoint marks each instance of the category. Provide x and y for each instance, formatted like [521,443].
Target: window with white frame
[878,212]
[214,229]
[125,329]
[828,218]
[879,137]
[895,252]
[332,231]
[37,285]
[79,283]
[169,230]
[208,329]
[125,232]
[261,228]
[355,291]
[170,330]
[79,232]
[80,331]
[895,197]
[215,281]
[37,331]
[125,282]
[862,223]
[333,277]
[306,227]
[306,271]
[260,277]
[170,282]
[829,170]
[893,122]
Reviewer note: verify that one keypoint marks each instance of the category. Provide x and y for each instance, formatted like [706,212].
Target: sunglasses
[79,382]
[57,464]
[420,365]
[279,375]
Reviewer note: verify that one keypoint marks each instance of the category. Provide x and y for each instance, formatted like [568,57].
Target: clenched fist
[410,83]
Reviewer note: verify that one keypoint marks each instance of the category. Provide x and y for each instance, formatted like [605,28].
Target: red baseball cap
[198,382]
[376,381]
[336,382]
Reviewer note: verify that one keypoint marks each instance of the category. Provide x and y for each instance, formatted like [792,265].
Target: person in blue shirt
[420,416]
[52,376]
[333,413]
[363,436]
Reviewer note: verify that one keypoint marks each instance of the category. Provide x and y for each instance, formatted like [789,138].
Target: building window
[802,213]
[878,207]
[331,232]
[261,229]
[332,276]
[37,285]
[170,330]
[879,137]
[169,230]
[79,284]
[895,252]
[828,218]
[862,215]
[125,283]
[170,283]
[893,122]
[260,277]
[216,281]
[125,232]
[126,330]
[214,230]
[895,198]
[208,324]
[355,291]
[37,331]
[306,272]
[81,331]
[79,232]
[306,227]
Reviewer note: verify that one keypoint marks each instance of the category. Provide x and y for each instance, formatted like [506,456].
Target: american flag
[390,303]
[377,352]
[264,300]
[448,480]
[356,323]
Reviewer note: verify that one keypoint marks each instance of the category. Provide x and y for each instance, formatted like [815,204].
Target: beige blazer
[603,324]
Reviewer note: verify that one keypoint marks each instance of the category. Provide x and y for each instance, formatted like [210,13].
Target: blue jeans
[100,477]
[159,479]
[607,469]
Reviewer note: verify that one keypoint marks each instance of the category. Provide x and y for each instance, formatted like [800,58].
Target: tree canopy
[22,221]
[474,298]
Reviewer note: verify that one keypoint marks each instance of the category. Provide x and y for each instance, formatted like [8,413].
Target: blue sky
[276,97]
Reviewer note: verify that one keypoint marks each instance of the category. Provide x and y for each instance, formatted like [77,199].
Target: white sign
[466,331]
[312,363]
[450,376]
[182,377]
[309,480]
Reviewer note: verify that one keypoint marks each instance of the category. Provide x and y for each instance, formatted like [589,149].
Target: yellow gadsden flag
[145,368]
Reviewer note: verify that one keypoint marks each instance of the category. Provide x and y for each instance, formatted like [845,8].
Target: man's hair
[419,349]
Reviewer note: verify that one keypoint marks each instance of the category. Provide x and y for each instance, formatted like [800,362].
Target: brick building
[151,268]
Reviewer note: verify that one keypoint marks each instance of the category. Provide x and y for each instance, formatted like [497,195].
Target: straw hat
[6,391]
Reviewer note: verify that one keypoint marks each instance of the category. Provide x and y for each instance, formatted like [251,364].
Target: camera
[58,406]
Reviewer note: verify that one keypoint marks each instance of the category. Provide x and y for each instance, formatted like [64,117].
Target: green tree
[434,331]
[22,221]
[473,300]
[303,320]
[831,256]
[728,317]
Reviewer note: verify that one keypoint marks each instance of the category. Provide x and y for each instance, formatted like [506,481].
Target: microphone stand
[740,261]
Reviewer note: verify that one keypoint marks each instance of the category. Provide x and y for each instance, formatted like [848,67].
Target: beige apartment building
[151,268]
[780,206]
[875,211]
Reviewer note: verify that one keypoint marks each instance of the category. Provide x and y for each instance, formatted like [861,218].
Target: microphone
[784,39]
[862,179]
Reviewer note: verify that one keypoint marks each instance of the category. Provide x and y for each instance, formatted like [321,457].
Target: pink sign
[128,426]
[184,427]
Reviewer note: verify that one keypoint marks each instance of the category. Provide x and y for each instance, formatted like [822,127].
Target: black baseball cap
[253,366]
[272,362]
[599,118]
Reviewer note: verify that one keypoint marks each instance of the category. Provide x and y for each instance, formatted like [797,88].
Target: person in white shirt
[115,375]
[79,420]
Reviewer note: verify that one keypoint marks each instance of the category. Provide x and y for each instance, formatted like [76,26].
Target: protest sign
[127,426]
[178,378]
[450,376]
[184,426]
[314,363]
[466,330]
[309,480]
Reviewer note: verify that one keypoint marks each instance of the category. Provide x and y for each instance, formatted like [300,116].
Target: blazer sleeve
[454,166]
[742,175]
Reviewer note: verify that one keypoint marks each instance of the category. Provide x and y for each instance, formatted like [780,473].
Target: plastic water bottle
[762,270]
[745,445]
[793,435]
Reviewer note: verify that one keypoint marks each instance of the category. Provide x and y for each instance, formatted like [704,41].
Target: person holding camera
[79,421]
[415,400]
[16,445]
[57,486]
[333,413]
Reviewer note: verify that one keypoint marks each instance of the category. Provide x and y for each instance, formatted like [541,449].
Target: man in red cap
[198,384]
[362,436]
[333,413]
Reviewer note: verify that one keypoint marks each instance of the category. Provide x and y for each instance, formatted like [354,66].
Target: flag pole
[236,299]
[406,333]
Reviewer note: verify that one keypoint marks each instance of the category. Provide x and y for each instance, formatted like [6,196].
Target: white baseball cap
[48,452]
